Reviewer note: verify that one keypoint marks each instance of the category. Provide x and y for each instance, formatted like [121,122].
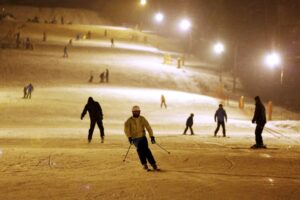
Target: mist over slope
[70,15]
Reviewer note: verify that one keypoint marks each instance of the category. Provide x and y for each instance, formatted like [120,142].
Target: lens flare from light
[218,48]
[159,17]
[273,59]
[185,24]
[143,2]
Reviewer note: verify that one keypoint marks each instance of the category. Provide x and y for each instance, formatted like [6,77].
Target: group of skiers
[25,42]
[135,128]
[220,118]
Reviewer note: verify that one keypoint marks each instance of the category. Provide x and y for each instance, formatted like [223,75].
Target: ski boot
[262,146]
[145,167]
[155,168]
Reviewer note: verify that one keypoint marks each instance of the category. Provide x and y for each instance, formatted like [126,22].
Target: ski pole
[127,153]
[163,148]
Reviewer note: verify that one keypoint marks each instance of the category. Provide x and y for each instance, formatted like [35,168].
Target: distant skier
[89,35]
[135,131]
[220,118]
[106,75]
[102,77]
[91,78]
[163,101]
[260,119]
[189,124]
[96,116]
[28,44]
[65,52]
[29,90]
[112,42]
[25,92]
[44,36]
[18,40]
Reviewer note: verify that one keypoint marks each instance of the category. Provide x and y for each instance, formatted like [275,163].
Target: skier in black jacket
[96,116]
[189,124]
[260,119]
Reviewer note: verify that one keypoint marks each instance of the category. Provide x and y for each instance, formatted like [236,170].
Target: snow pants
[143,150]
[163,103]
[258,132]
[218,127]
[92,127]
[191,129]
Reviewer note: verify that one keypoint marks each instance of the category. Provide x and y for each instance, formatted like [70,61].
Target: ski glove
[153,140]
[130,140]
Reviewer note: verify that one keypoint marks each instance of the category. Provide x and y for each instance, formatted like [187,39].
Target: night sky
[229,18]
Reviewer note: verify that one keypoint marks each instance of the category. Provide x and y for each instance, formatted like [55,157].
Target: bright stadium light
[273,59]
[143,2]
[218,48]
[185,24]
[159,17]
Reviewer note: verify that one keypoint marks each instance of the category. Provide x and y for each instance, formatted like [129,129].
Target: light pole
[273,60]
[185,25]
[159,17]
[219,49]
[143,2]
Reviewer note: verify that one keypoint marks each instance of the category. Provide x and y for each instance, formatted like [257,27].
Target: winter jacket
[190,121]
[135,127]
[220,115]
[259,114]
[30,88]
[94,109]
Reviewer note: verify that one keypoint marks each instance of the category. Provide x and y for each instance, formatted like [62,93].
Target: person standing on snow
[106,75]
[163,101]
[134,129]
[260,119]
[96,116]
[44,36]
[102,77]
[25,92]
[189,124]
[221,116]
[29,90]
[66,55]
[112,42]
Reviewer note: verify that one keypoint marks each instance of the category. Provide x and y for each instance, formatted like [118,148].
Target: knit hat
[136,108]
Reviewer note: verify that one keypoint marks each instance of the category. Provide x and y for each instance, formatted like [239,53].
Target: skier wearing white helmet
[135,131]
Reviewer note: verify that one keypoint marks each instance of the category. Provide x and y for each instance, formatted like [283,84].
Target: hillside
[74,16]
[44,152]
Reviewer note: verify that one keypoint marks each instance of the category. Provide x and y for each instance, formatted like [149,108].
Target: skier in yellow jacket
[135,131]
